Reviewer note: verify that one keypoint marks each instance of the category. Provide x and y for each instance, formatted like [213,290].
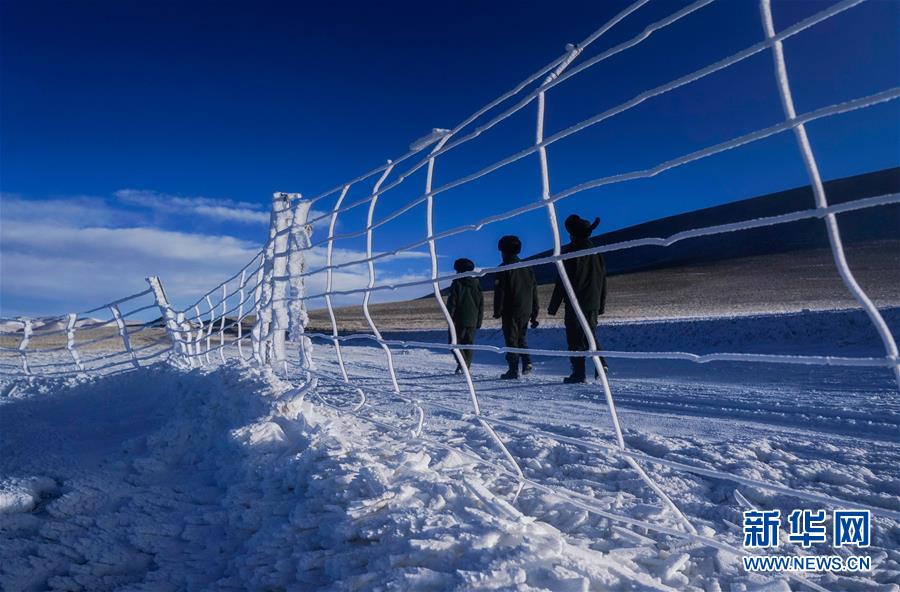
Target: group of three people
[516,300]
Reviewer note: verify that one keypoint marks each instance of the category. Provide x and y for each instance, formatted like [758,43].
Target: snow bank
[22,495]
[225,479]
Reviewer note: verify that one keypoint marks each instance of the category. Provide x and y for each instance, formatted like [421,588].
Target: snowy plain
[231,477]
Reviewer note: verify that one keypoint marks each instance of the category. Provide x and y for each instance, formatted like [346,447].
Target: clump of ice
[22,495]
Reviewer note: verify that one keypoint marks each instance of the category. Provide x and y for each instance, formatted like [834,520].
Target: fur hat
[510,244]
[463,265]
[578,227]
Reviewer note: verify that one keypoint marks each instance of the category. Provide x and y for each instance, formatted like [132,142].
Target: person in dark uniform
[515,302]
[466,306]
[587,275]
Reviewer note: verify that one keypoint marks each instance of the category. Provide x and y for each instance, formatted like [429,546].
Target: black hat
[510,244]
[463,265]
[578,227]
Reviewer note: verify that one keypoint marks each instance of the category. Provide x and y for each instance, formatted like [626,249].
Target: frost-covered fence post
[329,281]
[23,345]
[272,315]
[300,242]
[198,339]
[70,341]
[169,318]
[209,327]
[188,343]
[281,210]
[256,331]
[123,332]
[240,314]
[261,328]
[222,322]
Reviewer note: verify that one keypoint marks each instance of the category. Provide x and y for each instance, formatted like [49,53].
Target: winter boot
[526,365]
[513,371]
[577,375]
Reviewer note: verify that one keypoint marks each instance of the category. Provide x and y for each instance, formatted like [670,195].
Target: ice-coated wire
[812,170]
[70,341]
[665,88]
[38,333]
[225,326]
[198,343]
[209,327]
[222,323]
[435,284]
[114,302]
[259,255]
[387,350]
[761,134]
[228,344]
[636,355]
[573,303]
[436,288]
[128,360]
[329,280]
[850,206]
[528,98]
[510,93]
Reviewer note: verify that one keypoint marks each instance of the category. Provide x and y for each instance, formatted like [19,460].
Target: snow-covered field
[233,478]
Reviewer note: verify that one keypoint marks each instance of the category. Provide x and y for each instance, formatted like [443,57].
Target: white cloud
[222,209]
[69,211]
[69,255]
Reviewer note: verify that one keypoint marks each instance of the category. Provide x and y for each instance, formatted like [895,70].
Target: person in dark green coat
[515,302]
[466,306]
[587,275]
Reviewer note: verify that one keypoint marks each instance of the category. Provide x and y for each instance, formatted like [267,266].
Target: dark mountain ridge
[877,223]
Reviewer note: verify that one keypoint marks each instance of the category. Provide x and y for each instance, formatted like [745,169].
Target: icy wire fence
[389,176]
[270,288]
[237,318]
[112,343]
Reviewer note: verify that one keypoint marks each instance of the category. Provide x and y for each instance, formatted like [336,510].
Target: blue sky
[147,138]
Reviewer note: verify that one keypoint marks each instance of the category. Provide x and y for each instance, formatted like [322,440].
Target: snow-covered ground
[233,478]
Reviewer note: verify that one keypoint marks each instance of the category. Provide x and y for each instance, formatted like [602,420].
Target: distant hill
[871,224]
